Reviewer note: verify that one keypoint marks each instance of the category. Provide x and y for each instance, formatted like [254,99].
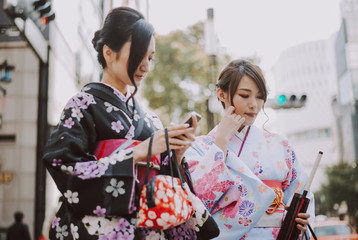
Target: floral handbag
[164,202]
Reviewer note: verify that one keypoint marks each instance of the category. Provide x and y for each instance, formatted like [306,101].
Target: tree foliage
[180,77]
[342,184]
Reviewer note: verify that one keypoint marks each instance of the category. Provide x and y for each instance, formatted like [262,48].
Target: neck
[108,78]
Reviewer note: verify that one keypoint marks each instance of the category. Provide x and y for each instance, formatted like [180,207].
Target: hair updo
[121,25]
[231,75]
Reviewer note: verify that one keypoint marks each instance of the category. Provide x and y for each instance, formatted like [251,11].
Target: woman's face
[247,100]
[119,67]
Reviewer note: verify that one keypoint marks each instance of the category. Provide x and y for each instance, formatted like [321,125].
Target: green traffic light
[281,100]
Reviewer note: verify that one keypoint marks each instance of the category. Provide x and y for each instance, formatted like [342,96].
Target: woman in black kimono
[98,191]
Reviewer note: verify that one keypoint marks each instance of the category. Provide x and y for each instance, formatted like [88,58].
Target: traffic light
[43,7]
[284,102]
[16,12]
[5,72]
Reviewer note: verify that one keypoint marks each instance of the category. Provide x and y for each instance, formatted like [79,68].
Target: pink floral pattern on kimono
[232,186]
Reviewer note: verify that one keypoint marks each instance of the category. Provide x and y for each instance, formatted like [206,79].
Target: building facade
[346,103]
[309,69]
[71,63]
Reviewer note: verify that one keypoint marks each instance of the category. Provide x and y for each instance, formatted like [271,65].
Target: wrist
[138,153]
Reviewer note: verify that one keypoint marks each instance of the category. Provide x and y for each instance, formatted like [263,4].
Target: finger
[230,110]
[237,117]
[304,215]
[194,122]
[189,136]
[241,121]
[177,132]
[301,228]
[301,221]
[177,141]
[177,127]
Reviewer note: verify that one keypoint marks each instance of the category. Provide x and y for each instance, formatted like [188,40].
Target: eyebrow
[244,89]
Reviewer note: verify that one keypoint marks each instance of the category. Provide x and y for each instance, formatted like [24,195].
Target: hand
[159,144]
[302,220]
[189,137]
[229,124]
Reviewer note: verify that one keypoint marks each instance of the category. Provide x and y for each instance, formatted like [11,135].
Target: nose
[253,103]
[145,65]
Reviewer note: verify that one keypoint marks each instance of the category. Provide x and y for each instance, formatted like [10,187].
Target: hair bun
[97,41]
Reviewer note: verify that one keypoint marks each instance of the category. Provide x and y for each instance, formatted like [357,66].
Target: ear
[221,95]
[108,54]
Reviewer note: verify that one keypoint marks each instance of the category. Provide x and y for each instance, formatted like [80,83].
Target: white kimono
[241,187]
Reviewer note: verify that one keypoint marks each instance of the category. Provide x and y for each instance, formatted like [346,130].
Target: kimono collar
[120,95]
[242,133]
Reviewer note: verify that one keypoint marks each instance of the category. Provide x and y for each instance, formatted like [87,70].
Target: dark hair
[18,216]
[232,74]
[121,25]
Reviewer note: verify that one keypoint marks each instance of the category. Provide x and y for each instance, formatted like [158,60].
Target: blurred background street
[308,50]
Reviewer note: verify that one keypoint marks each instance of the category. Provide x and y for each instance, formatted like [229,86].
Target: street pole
[210,49]
[42,135]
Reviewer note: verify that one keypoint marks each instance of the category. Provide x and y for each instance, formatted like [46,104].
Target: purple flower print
[246,208]
[76,113]
[56,162]
[218,155]
[130,134]
[81,100]
[100,212]
[121,225]
[115,236]
[127,236]
[102,237]
[117,126]
[208,140]
[91,169]
[55,222]
[293,156]
[87,99]
[294,175]
[69,123]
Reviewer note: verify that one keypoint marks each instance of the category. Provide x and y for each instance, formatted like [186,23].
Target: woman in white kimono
[245,176]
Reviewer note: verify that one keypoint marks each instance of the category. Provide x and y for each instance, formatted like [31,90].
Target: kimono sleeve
[89,186]
[215,177]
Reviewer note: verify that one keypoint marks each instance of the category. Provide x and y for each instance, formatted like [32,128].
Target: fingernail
[186,125]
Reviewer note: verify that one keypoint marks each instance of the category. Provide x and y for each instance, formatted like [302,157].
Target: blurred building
[346,103]
[310,69]
[32,101]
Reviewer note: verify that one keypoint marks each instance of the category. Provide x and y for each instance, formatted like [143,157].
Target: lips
[250,114]
[139,77]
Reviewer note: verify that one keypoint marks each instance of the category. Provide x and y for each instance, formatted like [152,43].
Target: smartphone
[189,120]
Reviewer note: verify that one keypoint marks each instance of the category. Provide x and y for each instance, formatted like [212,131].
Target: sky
[263,28]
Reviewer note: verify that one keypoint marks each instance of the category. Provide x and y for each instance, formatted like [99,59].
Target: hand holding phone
[189,120]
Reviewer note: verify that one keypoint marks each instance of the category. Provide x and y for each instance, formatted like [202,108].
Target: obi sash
[274,214]
[107,147]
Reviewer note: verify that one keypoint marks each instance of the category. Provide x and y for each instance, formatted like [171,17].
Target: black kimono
[99,195]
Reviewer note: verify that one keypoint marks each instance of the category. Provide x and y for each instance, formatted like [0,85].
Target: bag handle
[171,158]
[149,155]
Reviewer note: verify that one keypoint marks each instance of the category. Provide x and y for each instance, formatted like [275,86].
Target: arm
[86,183]
[229,124]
